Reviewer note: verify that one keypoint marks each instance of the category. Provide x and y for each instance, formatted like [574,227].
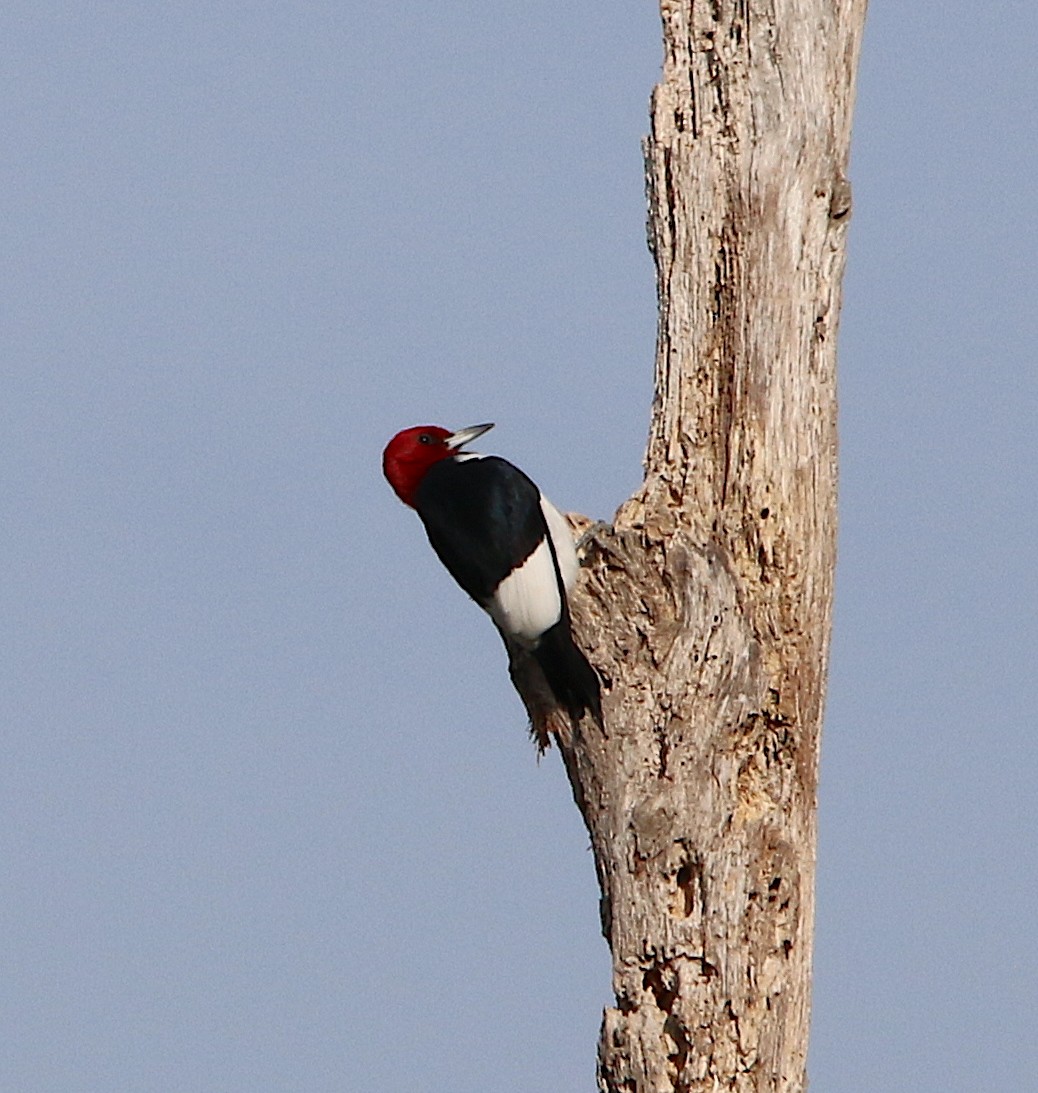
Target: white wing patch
[527,602]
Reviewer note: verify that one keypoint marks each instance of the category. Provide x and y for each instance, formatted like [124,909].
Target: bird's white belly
[562,536]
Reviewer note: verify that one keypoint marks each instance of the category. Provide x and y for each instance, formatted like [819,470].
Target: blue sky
[268,815]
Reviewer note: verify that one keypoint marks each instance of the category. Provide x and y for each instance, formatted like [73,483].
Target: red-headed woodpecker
[504,542]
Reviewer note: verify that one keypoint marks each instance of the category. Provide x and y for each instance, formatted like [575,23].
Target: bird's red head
[410,454]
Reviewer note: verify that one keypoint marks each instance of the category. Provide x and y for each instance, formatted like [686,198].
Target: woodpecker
[505,543]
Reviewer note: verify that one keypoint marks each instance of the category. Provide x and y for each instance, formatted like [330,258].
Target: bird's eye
[425,438]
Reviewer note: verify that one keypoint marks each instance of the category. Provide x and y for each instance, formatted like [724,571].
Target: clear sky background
[269,819]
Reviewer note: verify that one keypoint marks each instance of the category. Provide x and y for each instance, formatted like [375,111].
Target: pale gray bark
[706,605]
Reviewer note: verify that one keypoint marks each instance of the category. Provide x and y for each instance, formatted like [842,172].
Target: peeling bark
[706,606]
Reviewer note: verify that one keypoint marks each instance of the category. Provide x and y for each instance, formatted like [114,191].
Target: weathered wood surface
[707,605]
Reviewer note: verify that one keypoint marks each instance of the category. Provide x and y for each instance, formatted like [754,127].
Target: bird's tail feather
[572,679]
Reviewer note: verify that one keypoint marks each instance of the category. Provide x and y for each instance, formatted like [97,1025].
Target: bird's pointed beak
[466,436]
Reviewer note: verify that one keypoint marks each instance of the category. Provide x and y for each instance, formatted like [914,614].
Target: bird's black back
[483,517]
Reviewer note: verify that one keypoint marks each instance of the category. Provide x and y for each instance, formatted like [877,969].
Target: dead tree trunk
[707,605]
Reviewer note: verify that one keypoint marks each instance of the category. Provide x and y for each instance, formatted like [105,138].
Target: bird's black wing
[483,517]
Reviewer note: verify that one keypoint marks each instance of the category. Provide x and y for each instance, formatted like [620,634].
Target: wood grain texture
[706,605]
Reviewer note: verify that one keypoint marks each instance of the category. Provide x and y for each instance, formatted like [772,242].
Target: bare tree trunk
[707,605]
